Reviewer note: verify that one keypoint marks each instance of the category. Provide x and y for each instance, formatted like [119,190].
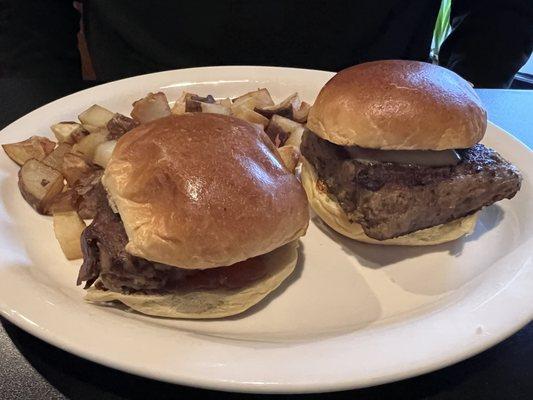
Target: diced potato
[214,108]
[295,137]
[225,102]
[285,108]
[247,104]
[68,227]
[300,115]
[37,147]
[290,156]
[96,115]
[87,146]
[75,167]
[119,125]
[103,153]
[193,102]
[91,128]
[251,116]
[261,98]
[55,158]
[151,107]
[280,130]
[65,201]
[179,106]
[39,184]
[286,123]
[68,132]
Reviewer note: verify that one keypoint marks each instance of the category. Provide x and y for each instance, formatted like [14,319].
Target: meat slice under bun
[333,215]
[203,190]
[398,105]
[209,303]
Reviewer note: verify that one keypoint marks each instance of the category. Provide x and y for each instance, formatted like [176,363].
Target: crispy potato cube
[75,167]
[37,147]
[180,105]
[247,104]
[91,128]
[251,116]
[285,108]
[119,125]
[55,158]
[69,132]
[178,108]
[280,130]
[96,115]
[39,184]
[151,107]
[295,137]
[87,146]
[261,98]
[286,123]
[68,227]
[290,156]
[103,153]
[214,108]
[193,102]
[225,102]
[300,115]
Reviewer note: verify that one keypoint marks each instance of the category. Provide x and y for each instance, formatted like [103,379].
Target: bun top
[202,191]
[398,105]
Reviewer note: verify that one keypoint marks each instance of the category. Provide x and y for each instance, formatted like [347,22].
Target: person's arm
[490,40]
[38,39]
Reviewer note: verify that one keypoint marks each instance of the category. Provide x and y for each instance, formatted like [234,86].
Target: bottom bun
[214,303]
[333,215]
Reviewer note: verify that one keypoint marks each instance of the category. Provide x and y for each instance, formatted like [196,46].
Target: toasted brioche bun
[398,105]
[209,303]
[203,190]
[333,215]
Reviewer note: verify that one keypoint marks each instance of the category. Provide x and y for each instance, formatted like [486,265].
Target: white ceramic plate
[352,315]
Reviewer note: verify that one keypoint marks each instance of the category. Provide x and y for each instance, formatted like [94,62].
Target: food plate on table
[351,314]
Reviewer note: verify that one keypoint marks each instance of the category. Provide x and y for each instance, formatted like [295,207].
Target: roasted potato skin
[34,173]
[75,167]
[151,107]
[119,125]
[36,147]
[55,158]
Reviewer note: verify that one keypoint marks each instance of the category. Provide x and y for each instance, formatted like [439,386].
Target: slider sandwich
[392,155]
[199,219]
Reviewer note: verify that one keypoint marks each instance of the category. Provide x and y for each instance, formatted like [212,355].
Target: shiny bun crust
[332,214]
[202,191]
[398,105]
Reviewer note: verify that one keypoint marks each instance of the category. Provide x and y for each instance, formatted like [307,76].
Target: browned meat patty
[391,200]
[105,258]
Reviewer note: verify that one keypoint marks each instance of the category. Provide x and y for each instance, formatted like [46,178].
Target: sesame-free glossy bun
[398,105]
[202,191]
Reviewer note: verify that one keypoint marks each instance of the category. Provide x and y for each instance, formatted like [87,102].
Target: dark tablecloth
[32,369]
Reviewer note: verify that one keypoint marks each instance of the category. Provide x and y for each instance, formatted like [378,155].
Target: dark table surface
[32,369]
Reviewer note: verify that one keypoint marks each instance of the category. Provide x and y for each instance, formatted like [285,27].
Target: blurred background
[487,42]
